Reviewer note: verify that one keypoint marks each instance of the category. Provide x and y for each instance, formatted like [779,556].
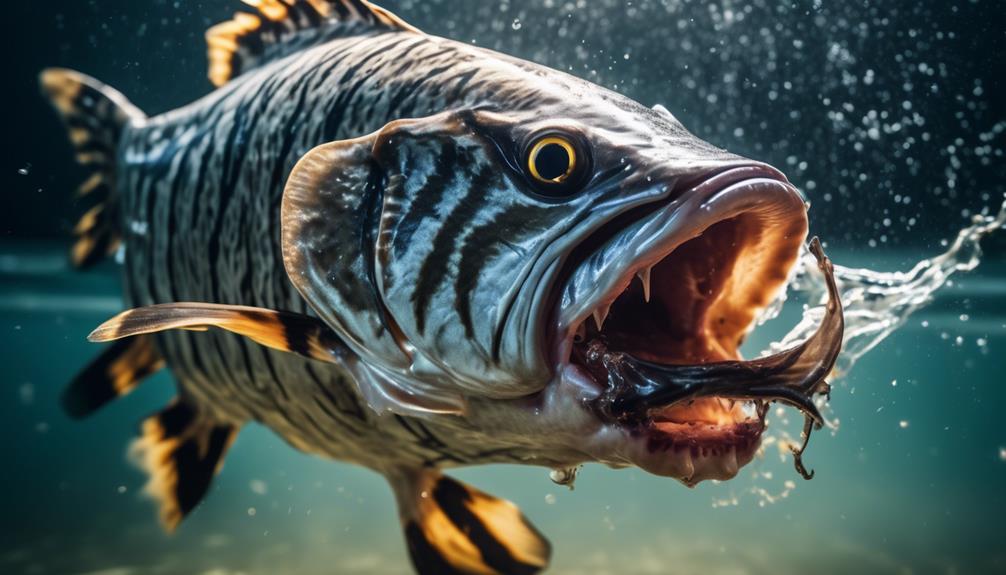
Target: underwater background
[890,116]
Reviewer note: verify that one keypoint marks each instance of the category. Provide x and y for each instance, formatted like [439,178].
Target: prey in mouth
[661,339]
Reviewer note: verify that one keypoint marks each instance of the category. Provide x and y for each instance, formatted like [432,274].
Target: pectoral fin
[284,331]
[290,332]
[452,528]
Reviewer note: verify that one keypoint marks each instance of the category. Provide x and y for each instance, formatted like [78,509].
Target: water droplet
[27,393]
[903,424]
[251,512]
[550,499]
[258,487]
[516,24]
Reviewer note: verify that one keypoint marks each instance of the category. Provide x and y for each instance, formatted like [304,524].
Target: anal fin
[182,450]
[114,373]
[453,528]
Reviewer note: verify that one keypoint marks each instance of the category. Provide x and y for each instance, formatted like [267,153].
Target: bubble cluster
[886,116]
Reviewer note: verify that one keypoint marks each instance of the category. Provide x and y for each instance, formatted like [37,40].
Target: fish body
[418,254]
[201,190]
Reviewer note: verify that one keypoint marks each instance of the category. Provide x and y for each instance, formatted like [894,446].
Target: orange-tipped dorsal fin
[279,28]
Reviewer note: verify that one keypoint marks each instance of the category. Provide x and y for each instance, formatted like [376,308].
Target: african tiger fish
[417,254]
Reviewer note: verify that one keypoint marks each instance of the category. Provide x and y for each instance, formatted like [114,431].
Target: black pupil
[552,161]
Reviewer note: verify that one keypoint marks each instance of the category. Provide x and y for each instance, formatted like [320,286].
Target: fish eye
[555,164]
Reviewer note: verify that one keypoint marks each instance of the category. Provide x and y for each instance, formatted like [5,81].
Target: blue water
[913,481]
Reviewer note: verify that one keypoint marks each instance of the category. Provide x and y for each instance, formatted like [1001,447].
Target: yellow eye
[552,160]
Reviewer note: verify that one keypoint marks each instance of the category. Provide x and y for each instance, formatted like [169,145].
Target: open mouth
[657,310]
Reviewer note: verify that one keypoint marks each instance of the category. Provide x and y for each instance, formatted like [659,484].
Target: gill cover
[420,245]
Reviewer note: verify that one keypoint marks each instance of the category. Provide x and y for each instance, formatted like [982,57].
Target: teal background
[928,498]
[818,89]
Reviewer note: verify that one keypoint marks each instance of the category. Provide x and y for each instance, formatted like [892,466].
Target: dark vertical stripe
[453,498]
[425,557]
[435,266]
[483,243]
[424,202]
[343,103]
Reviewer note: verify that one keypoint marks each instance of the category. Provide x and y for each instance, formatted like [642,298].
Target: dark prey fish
[418,254]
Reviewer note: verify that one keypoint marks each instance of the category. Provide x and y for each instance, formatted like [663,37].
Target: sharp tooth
[600,314]
[644,276]
[730,462]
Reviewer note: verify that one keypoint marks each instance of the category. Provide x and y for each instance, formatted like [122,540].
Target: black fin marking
[182,450]
[284,331]
[94,115]
[282,27]
[114,373]
[453,528]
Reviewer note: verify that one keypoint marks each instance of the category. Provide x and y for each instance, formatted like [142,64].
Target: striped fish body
[201,189]
[403,245]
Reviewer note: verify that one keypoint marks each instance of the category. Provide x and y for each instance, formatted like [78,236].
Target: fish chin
[655,309]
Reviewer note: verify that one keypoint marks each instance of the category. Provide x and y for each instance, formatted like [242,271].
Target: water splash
[876,304]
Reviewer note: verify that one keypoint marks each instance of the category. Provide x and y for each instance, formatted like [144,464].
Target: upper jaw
[648,399]
[602,275]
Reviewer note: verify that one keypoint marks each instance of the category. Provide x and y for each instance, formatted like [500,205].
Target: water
[882,490]
[888,116]
[875,304]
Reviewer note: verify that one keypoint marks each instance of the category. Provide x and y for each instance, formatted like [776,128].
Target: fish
[413,254]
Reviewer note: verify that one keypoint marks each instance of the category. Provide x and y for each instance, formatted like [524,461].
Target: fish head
[581,272]
[668,251]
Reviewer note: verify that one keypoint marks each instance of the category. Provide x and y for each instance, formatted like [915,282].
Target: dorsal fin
[282,27]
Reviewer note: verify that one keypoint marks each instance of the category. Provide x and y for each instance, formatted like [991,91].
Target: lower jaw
[694,452]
